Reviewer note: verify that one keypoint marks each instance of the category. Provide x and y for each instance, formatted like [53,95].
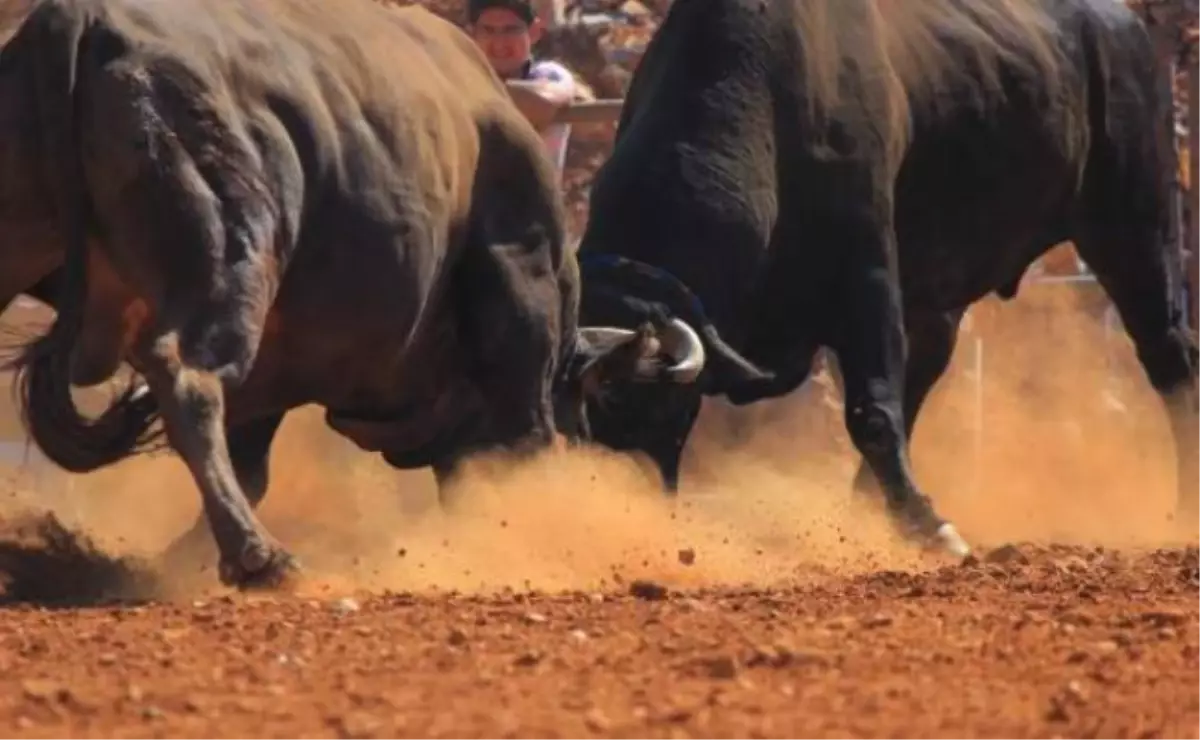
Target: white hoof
[951,541]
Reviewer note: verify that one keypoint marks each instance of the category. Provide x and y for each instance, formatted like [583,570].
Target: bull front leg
[932,336]
[870,344]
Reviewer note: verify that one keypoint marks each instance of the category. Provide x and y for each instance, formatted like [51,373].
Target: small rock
[596,598]
[1167,633]
[344,606]
[528,659]
[1057,711]
[152,712]
[1078,656]
[1072,564]
[40,689]
[1075,692]
[106,659]
[838,624]
[597,721]
[648,590]
[535,618]
[721,667]
[1006,554]
[134,693]
[877,620]
[579,635]
[1165,618]
[1107,647]
[687,556]
[457,637]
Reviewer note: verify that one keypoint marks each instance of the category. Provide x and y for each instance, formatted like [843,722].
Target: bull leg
[192,403]
[510,323]
[932,337]
[1140,283]
[249,452]
[870,348]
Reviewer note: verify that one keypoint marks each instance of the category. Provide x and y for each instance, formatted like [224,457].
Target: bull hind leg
[249,451]
[205,234]
[870,345]
[932,337]
[1141,277]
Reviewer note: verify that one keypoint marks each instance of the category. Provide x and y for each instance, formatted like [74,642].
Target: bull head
[635,353]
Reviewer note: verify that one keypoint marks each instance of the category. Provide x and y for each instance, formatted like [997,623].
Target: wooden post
[1193,222]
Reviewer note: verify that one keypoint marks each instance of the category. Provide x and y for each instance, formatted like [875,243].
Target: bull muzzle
[676,339]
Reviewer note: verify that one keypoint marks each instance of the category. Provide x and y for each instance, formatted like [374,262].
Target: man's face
[506,40]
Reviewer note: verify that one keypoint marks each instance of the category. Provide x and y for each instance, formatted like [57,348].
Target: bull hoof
[261,567]
[948,540]
[939,537]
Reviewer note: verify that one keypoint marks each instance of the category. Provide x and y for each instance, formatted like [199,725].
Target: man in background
[506,31]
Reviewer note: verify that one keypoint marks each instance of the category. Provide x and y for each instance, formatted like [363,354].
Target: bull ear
[605,354]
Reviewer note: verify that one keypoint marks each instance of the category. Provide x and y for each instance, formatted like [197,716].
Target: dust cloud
[1059,439]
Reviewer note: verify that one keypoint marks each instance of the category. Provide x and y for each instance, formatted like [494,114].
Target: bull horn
[681,342]
[610,336]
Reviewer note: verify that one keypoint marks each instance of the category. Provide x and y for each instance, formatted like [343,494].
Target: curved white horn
[614,337]
[600,334]
[683,344]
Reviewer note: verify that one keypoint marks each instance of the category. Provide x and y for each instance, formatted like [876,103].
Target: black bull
[260,204]
[854,174]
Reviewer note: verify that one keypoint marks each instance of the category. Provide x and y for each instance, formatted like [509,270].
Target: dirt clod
[648,590]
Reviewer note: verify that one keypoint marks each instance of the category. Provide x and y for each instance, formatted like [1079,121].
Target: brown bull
[260,204]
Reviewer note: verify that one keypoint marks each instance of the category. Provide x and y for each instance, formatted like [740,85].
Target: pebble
[648,590]
[528,658]
[40,689]
[722,667]
[877,620]
[579,635]
[345,606]
[535,618]
[596,720]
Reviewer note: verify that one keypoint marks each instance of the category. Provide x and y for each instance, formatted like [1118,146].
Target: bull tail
[50,39]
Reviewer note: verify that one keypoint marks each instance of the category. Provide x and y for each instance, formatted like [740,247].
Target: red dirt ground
[1070,642]
[838,630]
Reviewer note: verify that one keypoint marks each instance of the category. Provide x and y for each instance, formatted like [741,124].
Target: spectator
[506,31]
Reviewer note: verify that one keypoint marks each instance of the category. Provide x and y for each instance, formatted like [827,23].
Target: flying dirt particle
[687,556]
[401,552]
[648,590]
